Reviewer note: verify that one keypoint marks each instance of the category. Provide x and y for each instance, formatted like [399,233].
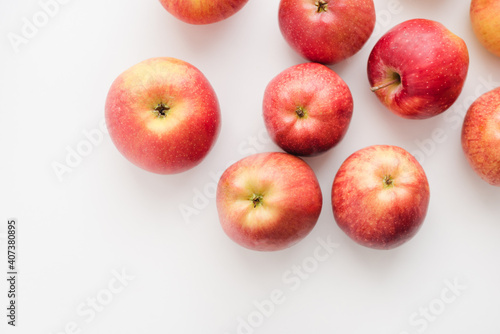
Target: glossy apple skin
[289,204]
[307,109]
[380,196]
[484,17]
[173,143]
[481,136]
[329,36]
[432,64]
[202,11]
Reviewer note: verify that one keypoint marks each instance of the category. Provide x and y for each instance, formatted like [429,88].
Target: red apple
[268,201]
[202,11]
[418,68]
[307,109]
[481,136]
[163,115]
[380,196]
[326,31]
[485,20]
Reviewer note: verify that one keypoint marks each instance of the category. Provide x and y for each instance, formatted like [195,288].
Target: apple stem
[256,200]
[300,112]
[388,181]
[397,79]
[161,110]
[321,4]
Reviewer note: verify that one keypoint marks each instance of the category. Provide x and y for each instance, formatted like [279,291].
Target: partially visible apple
[307,109]
[326,31]
[202,11]
[268,201]
[481,136]
[485,20]
[380,196]
[418,68]
[163,115]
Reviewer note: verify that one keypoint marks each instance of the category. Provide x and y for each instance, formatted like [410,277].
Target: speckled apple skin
[431,61]
[324,98]
[481,136]
[290,207]
[180,140]
[372,214]
[202,11]
[327,37]
[485,21]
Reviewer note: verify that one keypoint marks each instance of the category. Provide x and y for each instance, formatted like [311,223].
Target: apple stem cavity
[321,6]
[161,110]
[300,112]
[256,200]
[388,181]
[396,80]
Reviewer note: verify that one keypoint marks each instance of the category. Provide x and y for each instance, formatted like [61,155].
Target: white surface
[188,277]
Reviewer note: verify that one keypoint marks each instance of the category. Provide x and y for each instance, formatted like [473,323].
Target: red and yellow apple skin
[418,68]
[481,136]
[380,196]
[163,115]
[485,21]
[202,11]
[307,109]
[268,201]
[326,31]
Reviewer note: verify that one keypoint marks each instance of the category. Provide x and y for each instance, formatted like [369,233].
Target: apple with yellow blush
[202,11]
[163,115]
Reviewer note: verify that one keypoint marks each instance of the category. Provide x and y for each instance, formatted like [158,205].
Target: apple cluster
[164,116]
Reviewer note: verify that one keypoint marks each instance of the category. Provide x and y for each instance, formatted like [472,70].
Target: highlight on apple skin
[163,115]
[485,20]
[307,109]
[380,196]
[202,11]
[418,68]
[326,31]
[268,201]
[481,136]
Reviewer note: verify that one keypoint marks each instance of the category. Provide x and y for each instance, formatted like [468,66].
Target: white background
[183,275]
